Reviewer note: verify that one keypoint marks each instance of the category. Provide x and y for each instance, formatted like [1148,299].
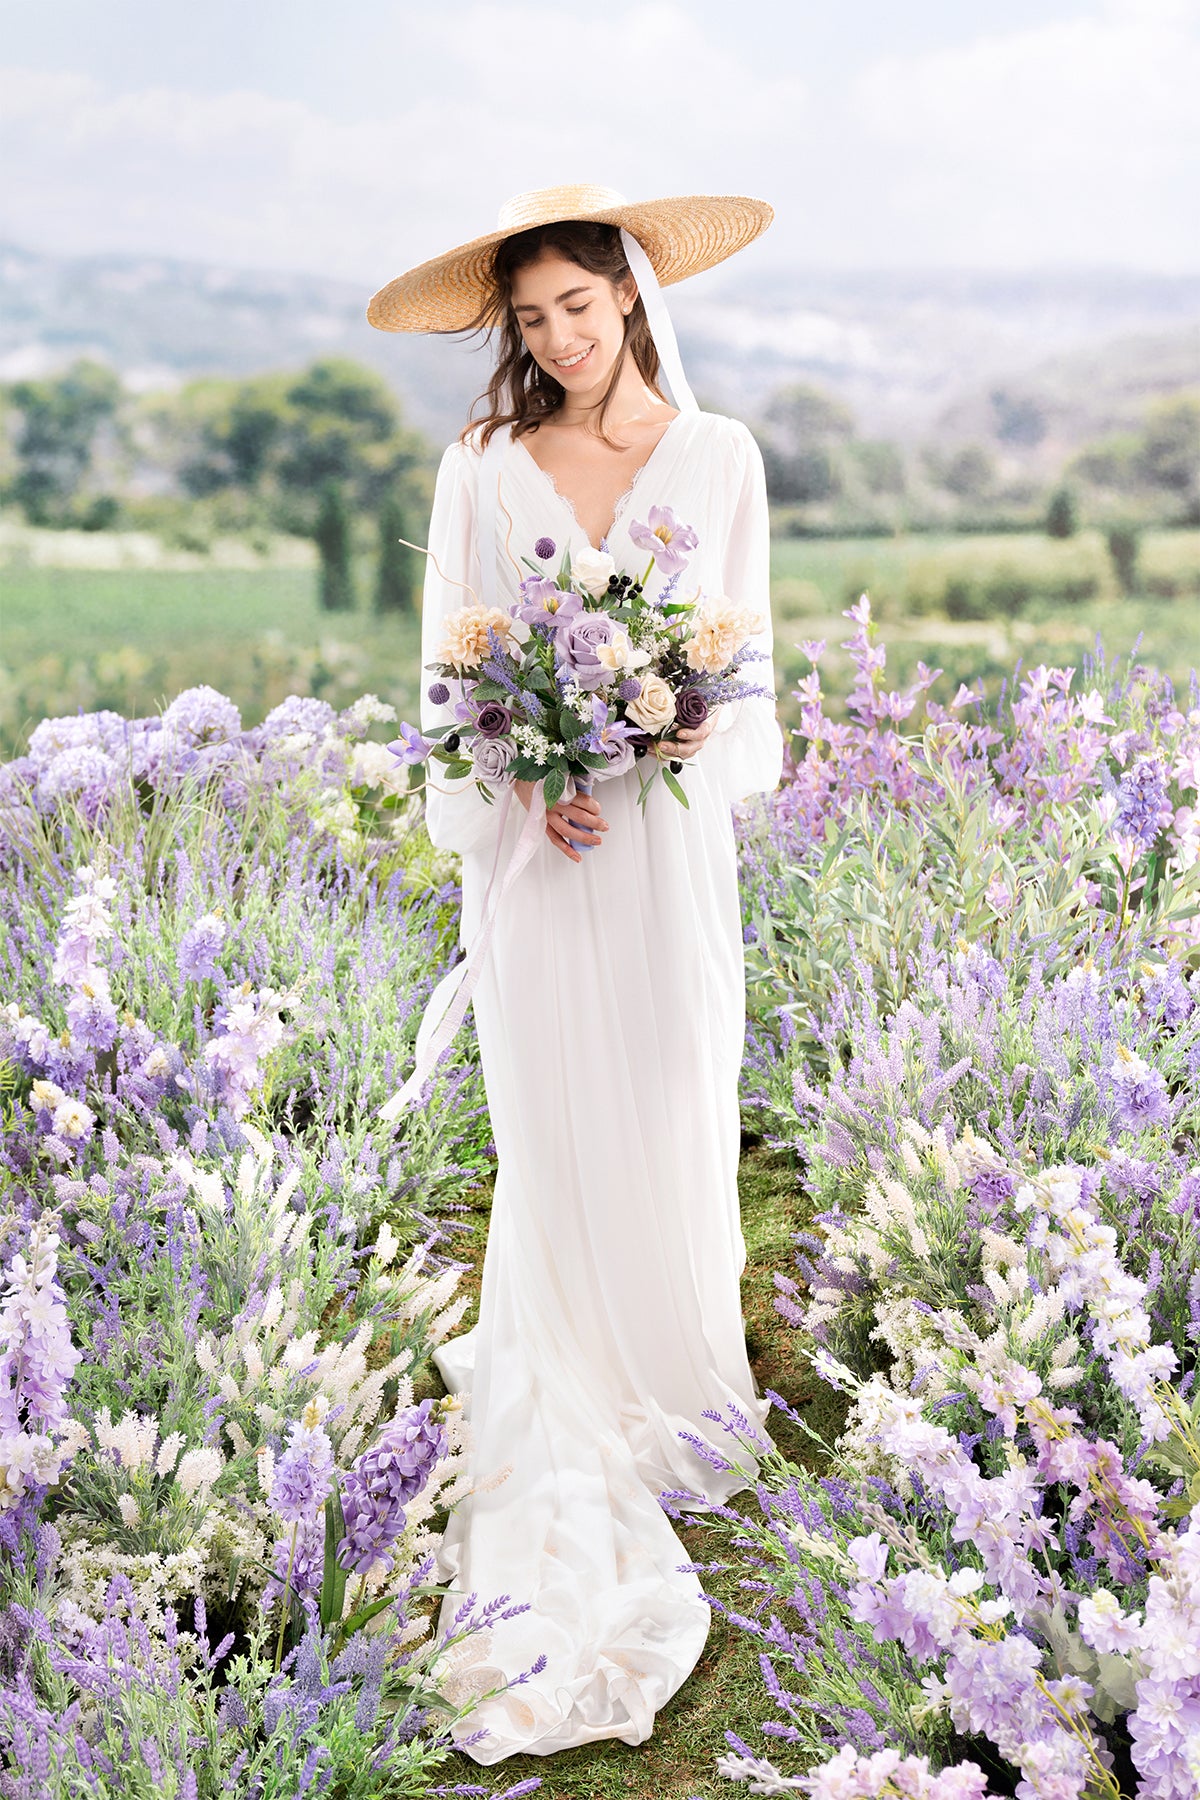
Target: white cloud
[1073,141]
[1077,140]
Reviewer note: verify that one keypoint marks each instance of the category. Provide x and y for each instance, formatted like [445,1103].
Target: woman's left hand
[686,743]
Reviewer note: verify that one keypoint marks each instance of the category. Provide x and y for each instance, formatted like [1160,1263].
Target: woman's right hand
[559,828]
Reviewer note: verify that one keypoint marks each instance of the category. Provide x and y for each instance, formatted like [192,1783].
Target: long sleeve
[457,816]
[746,745]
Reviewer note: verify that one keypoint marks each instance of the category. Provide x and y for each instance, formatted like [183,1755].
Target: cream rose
[591,569]
[655,705]
[466,641]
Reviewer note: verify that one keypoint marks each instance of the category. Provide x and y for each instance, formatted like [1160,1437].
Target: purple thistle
[545,548]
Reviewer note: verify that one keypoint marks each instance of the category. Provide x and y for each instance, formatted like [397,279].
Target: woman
[610,1008]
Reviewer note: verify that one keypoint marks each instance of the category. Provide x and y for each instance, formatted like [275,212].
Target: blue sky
[944,133]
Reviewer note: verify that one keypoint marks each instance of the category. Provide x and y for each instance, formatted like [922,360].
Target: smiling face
[572,322]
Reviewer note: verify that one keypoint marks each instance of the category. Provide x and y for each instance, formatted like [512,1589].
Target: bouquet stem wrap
[447,1005]
[583,785]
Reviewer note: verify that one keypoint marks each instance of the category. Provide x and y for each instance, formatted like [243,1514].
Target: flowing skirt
[610,1018]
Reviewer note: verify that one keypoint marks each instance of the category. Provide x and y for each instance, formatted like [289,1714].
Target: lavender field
[972,931]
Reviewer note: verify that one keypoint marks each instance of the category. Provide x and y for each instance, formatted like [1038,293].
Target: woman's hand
[686,742]
[559,827]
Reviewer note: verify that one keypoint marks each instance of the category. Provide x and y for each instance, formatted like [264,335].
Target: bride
[610,1004]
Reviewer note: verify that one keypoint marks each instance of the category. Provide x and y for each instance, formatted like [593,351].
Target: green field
[131,639]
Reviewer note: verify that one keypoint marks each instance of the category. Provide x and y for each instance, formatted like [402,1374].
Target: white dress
[610,1018]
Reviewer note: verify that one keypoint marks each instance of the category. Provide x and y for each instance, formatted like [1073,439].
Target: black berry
[453,741]
[674,765]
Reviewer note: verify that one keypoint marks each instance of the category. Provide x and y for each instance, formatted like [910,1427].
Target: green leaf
[333,1577]
[571,725]
[556,781]
[540,681]
[364,1615]
[673,783]
[564,568]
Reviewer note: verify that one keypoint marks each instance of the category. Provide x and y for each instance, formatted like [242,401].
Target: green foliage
[60,419]
[395,578]
[1062,514]
[332,534]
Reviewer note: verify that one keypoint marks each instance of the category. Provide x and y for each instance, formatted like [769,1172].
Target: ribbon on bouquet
[447,1005]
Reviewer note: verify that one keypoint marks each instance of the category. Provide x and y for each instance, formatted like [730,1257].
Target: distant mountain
[914,355]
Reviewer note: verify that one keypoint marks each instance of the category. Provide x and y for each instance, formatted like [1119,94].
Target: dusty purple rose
[691,708]
[491,757]
[493,720]
[545,548]
[577,647]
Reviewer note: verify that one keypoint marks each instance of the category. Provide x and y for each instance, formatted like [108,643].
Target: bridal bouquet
[586,674]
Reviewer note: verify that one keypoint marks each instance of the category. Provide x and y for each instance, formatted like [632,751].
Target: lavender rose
[577,647]
[691,708]
[491,757]
[493,719]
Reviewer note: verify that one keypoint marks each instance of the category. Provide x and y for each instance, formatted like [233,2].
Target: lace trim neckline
[623,500]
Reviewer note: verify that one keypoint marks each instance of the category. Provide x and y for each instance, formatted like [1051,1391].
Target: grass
[132,639]
[725,1688]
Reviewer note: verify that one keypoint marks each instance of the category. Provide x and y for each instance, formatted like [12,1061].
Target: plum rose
[691,708]
[493,719]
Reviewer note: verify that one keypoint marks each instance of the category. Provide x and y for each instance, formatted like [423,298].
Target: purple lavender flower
[383,1480]
[85,774]
[1140,1092]
[199,946]
[200,715]
[1143,805]
[304,1473]
[299,712]
[93,1019]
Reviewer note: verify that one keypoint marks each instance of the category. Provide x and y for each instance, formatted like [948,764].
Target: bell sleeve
[745,747]
[457,816]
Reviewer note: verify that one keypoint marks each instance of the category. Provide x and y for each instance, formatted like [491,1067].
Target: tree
[60,419]
[332,533]
[800,438]
[1062,514]
[970,472]
[394,580]
[1169,456]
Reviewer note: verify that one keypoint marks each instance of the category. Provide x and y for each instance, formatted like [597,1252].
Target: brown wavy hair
[521,393]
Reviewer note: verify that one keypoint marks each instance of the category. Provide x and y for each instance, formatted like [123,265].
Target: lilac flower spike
[665,539]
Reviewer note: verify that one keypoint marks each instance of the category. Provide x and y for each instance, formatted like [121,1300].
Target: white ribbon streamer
[659,320]
[447,1005]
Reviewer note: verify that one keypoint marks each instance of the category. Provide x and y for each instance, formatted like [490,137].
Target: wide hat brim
[682,235]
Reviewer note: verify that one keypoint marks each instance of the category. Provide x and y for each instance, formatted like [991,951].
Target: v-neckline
[622,501]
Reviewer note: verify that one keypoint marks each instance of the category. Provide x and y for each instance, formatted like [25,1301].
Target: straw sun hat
[682,235]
